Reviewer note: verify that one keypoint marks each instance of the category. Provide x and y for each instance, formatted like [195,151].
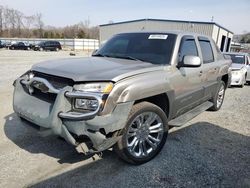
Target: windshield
[239,59]
[41,43]
[155,48]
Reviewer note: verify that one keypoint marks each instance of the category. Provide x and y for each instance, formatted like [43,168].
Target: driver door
[187,81]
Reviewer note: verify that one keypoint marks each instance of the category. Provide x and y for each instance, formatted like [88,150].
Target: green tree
[81,34]
[35,33]
[58,35]
[46,34]
[51,35]
[245,38]
[62,35]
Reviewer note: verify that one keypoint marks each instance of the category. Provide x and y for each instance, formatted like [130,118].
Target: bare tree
[14,23]
[1,20]
[28,21]
[19,22]
[39,24]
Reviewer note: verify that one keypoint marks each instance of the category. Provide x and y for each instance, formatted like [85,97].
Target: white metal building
[221,35]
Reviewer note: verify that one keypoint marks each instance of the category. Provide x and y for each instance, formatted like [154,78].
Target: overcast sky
[232,14]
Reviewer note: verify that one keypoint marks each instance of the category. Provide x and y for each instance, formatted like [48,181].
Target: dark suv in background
[48,45]
[20,46]
[2,44]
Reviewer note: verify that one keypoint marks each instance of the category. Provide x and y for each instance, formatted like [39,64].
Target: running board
[184,118]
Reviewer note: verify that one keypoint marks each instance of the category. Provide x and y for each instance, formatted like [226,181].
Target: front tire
[219,97]
[144,135]
[243,81]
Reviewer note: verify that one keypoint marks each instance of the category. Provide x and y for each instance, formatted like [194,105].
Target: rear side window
[188,47]
[207,51]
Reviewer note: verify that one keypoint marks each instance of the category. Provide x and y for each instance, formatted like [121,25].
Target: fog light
[86,104]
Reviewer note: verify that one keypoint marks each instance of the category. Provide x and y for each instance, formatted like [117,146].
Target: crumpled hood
[236,66]
[94,68]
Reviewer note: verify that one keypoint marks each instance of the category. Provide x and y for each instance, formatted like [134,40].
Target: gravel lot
[213,150]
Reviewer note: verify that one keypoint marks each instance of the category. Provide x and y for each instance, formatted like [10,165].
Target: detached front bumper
[59,116]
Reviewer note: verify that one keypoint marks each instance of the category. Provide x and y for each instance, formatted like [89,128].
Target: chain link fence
[67,44]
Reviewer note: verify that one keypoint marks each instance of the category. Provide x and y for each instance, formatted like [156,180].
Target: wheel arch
[162,100]
[225,78]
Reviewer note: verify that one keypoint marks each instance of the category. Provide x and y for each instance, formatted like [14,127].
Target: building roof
[162,20]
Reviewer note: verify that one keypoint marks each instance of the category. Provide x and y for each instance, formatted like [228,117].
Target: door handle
[200,73]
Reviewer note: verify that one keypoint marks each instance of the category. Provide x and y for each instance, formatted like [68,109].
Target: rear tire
[144,135]
[219,97]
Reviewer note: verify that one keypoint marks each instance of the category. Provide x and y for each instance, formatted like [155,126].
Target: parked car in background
[48,45]
[20,46]
[2,44]
[8,44]
[240,68]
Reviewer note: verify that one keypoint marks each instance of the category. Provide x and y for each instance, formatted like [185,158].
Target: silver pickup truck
[128,94]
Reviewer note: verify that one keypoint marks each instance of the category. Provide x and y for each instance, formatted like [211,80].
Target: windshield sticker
[240,56]
[161,37]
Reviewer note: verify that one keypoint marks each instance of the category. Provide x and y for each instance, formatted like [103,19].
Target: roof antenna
[212,19]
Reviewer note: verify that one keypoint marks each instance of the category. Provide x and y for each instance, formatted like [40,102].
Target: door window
[207,51]
[188,47]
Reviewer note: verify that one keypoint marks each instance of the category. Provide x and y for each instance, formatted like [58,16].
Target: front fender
[138,87]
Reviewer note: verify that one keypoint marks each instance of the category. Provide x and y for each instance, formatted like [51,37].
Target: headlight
[242,71]
[238,72]
[88,103]
[102,87]
[27,75]
[30,75]
[235,72]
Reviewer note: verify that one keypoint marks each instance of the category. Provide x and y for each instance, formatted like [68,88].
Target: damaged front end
[70,110]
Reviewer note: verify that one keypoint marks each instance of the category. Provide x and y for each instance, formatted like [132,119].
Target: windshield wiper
[116,56]
[127,57]
[98,55]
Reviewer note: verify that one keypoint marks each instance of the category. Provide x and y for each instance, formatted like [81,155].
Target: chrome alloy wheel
[144,134]
[220,96]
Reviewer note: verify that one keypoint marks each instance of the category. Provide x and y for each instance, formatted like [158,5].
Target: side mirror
[190,61]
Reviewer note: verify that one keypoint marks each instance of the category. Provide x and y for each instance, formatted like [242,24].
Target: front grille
[48,97]
[56,81]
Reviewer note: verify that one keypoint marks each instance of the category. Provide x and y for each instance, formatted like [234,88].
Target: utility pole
[212,19]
